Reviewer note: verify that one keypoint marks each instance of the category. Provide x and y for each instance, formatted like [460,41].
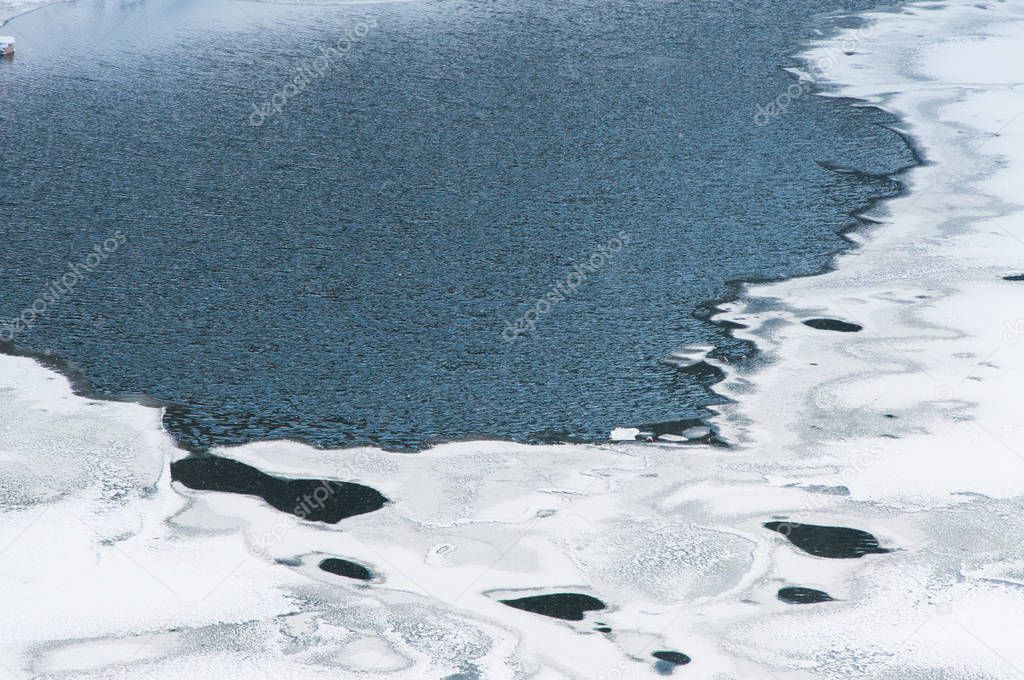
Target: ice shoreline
[9,11]
[671,539]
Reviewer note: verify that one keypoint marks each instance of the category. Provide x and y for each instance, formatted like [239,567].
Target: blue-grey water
[343,273]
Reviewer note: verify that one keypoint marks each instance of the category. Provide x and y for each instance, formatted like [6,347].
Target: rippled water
[344,272]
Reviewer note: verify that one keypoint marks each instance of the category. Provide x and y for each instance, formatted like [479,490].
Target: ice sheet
[907,429]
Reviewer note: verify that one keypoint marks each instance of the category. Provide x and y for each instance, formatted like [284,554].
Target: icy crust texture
[879,467]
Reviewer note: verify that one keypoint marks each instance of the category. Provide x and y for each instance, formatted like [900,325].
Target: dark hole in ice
[798,595]
[566,606]
[822,541]
[833,325]
[340,567]
[316,500]
[672,658]
[828,490]
[1014,277]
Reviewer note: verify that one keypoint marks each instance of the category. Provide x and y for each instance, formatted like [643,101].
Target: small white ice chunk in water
[671,438]
[697,432]
[623,434]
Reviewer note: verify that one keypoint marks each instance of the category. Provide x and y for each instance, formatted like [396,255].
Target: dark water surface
[340,567]
[798,595]
[316,500]
[343,273]
[566,606]
[831,542]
